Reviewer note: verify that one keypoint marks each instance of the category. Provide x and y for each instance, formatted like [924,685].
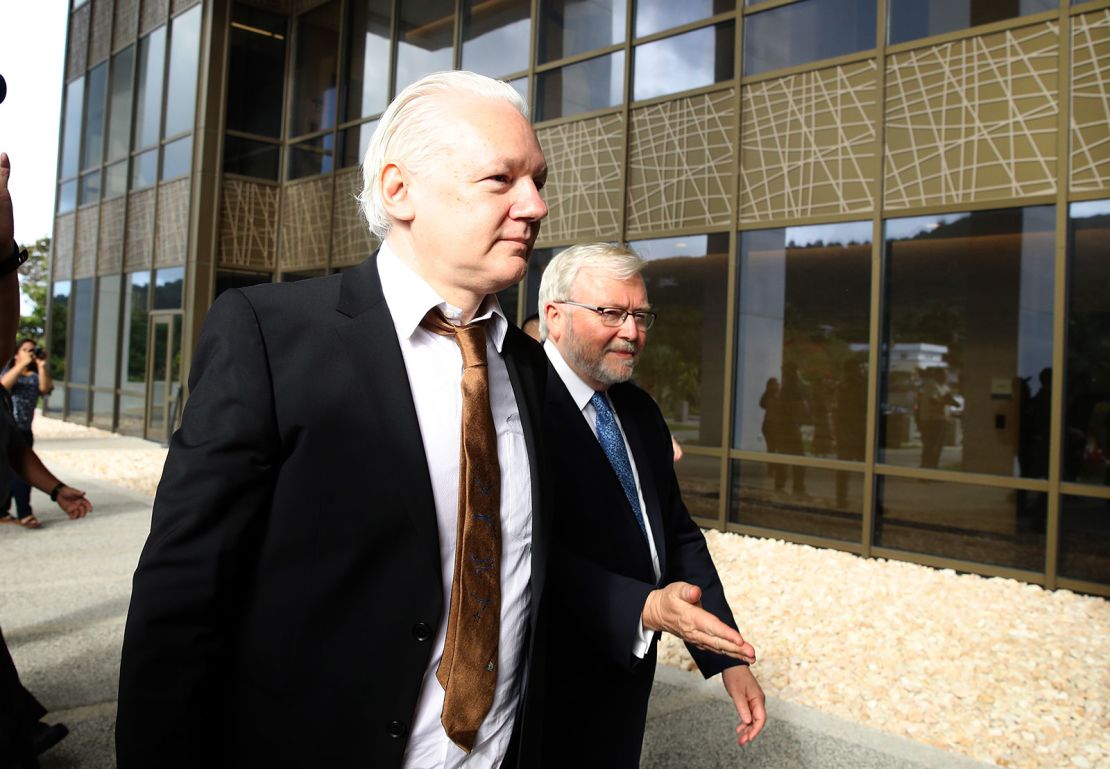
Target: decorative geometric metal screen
[78,54]
[65,235]
[139,242]
[351,239]
[101,34]
[109,258]
[1090,102]
[153,14]
[305,224]
[248,224]
[807,145]
[127,23]
[84,254]
[172,234]
[680,163]
[583,191]
[973,120]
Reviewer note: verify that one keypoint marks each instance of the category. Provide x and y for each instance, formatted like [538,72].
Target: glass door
[163,381]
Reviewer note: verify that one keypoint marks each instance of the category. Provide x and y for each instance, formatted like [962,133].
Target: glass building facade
[877,232]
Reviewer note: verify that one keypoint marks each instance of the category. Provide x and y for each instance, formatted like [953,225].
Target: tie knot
[600,402]
[470,338]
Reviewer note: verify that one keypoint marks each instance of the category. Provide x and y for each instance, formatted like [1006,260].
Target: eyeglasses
[616,316]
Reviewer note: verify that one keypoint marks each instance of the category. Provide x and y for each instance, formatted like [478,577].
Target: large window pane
[912,19]
[1085,538]
[67,196]
[177,158]
[981,524]
[59,323]
[107,331]
[104,404]
[582,87]
[427,30]
[136,305]
[570,27]
[81,339]
[807,31]
[169,288]
[182,84]
[115,180]
[656,15]
[801,340]
[354,143]
[93,150]
[682,365]
[698,58]
[1086,454]
[315,76]
[495,36]
[805,500]
[256,71]
[699,478]
[315,156]
[367,88]
[251,158]
[148,96]
[144,169]
[119,104]
[71,131]
[89,191]
[967,341]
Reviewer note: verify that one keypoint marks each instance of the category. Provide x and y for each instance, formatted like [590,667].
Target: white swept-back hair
[619,261]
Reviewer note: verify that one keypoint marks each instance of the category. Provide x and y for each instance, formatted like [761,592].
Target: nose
[529,205]
[629,329]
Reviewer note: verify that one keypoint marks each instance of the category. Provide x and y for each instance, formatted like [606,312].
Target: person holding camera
[26,377]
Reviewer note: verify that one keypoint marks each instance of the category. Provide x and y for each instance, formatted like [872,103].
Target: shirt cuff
[642,641]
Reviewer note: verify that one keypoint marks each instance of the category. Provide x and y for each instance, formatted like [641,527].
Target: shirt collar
[410,297]
[580,392]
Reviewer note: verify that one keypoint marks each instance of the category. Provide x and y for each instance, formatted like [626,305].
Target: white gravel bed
[994,669]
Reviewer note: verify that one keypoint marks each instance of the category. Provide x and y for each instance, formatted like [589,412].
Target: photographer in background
[26,377]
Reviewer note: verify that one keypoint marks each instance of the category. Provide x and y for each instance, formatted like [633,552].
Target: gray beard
[595,368]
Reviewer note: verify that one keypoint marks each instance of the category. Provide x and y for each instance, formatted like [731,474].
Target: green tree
[34,281]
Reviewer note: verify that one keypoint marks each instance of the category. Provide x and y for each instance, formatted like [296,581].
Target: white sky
[32,54]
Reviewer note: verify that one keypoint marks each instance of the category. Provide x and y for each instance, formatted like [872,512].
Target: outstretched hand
[676,608]
[74,502]
[747,695]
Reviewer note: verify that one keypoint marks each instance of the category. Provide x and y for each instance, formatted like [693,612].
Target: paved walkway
[65,600]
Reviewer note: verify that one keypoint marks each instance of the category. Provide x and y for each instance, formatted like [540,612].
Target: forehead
[483,130]
[604,288]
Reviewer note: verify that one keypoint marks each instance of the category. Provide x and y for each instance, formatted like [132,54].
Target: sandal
[30,522]
[8,519]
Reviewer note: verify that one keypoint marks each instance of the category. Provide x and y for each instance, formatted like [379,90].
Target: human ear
[395,183]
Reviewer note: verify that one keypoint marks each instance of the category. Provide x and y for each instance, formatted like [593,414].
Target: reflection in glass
[78,404]
[913,19]
[136,304]
[247,157]
[426,32]
[582,87]
[182,85]
[119,104]
[802,327]
[967,341]
[132,414]
[1085,538]
[795,34]
[495,36]
[81,341]
[226,279]
[59,322]
[313,102]
[699,478]
[570,27]
[104,404]
[148,96]
[169,287]
[308,158]
[93,149]
[682,365]
[71,131]
[366,91]
[656,15]
[520,85]
[256,67]
[981,524]
[830,505]
[115,180]
[354,143]
[144,169]
[89,191]
[177,158]
[1086,449]
[107,330]
[691,60]
[67,196]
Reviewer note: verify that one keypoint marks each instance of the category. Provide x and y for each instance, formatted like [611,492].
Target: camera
[39,353]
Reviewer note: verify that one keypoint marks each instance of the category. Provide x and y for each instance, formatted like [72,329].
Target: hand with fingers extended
[676,608]
[747,695]
[74,502]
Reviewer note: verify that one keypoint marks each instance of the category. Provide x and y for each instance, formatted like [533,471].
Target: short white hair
[412,129]
[617,260]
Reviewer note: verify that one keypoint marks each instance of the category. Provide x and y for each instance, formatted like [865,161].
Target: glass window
[806,500]
[107,330]
[495,36]
[912,19]
[256,71]
[967,341]
[355,141]
[699,478]
[182,82]
[247,157]
[148,97]
[89,191]
[144,169]
[1086,449]
[366,91]
[315,156]
[682,365]
[136,305]
[520,85]
[981,524]
[226,279]
[119,104]
[1085,538]
[177,158]
[656,15]
[93,149]
[67,196]
[811,30]
[78,404]
[169,287]
[582,87]
[59,322]
[802,329]
[691,60]
[313,103]
[104,405]
[115,180]
[570,27]
[425,42]
[81,340]
[71,141]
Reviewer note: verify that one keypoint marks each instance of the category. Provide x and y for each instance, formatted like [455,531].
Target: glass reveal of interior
[913,19]
[811,30]
[366,91]
[59,323]
[256,70]
[313,102]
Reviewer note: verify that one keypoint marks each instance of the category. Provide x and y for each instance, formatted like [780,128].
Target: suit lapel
[630,423]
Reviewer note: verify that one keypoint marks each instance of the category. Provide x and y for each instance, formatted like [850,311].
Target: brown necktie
[468,669]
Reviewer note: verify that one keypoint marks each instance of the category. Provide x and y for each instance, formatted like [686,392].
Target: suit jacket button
[395,729]
[422,631]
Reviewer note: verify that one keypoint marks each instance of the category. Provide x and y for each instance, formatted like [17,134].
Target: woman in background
[26,377]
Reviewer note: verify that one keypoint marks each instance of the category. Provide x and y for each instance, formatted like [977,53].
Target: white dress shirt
[434,367]
[581,393]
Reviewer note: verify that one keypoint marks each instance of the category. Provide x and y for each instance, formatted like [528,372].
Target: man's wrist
[56,490]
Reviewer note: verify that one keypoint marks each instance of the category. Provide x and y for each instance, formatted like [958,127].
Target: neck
[466,300]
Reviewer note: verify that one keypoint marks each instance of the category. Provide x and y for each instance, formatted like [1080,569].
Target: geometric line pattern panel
[974,119]
[680,163]
[139,241]
[180,5]
[84,255]
[808,144]
[351,238]
[583,191]
[305,224]
[109,258]
[248,224]
[172,231]
[127,23]
[64,229]
[153,14]
[1090,102]
[101,31]
[78,54]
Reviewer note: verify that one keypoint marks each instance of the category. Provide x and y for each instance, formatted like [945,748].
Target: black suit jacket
[602,574]
[285,605]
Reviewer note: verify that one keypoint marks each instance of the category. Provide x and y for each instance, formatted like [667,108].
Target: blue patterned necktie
[612,443]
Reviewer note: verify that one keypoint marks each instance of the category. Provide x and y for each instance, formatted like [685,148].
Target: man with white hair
[627,560]
[346,557]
